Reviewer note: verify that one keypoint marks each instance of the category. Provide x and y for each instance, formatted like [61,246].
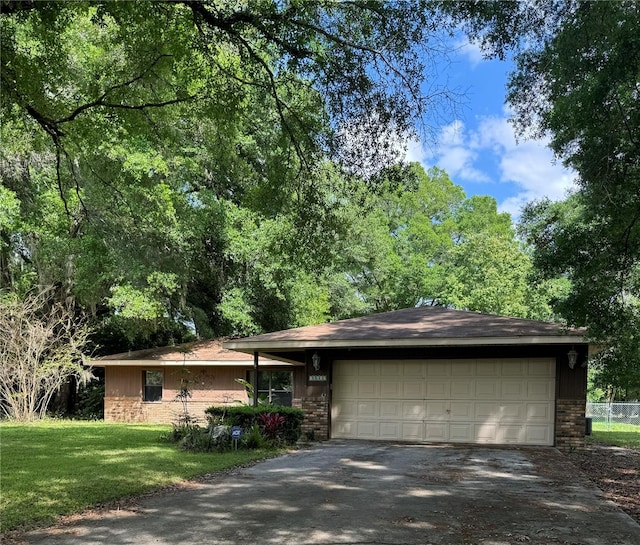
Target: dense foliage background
[204,168]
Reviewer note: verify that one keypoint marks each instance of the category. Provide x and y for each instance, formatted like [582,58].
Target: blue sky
[477,144]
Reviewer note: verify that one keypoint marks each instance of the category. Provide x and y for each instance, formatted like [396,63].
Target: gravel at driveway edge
[615,471]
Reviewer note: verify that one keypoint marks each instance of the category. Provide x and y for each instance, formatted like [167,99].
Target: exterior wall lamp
[315,359]
[573,357]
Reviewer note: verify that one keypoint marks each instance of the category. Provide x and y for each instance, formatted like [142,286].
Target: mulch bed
[615,471]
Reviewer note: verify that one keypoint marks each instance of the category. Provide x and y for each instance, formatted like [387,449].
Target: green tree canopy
[143,142]
[576,82]
[191,164]
[421,241]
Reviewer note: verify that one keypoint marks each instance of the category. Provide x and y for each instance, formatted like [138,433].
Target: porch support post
[255,379]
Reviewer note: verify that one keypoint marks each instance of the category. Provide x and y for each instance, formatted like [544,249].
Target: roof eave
[180,363]
[248,346]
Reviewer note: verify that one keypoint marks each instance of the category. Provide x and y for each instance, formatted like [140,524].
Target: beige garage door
[505,401]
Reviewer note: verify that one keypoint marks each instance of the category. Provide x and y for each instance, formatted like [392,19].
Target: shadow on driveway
[372,493]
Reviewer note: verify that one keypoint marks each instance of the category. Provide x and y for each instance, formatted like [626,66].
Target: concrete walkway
[372,493]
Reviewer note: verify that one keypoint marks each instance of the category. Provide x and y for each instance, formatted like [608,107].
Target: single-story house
[144,386]
[435,374]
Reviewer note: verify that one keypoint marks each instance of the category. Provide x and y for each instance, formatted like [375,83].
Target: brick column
[570,424]
[316,417]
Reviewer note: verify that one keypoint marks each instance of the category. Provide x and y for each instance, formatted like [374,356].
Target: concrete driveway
[372,493]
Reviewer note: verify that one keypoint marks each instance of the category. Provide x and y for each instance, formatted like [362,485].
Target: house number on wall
[318,378]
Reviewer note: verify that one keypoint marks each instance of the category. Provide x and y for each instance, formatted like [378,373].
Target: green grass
[619,435]
[60,467]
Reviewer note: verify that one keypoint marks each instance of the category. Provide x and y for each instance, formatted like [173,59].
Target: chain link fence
[614,413]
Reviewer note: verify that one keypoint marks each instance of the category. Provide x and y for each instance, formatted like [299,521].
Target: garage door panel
[438,389]
[463,368]
[537,435]
[345,371]
[487,368]
[390,409]
[462,388]
[485,433]
[368,409]
[487,411]
[413,390]
[439,369]
[414,369]
[510,368]
[483,401]
[391,389]
[345,387]
[539,412]
[343,428]
[368,388]
[367,430]
[436,431]
[461,410]
[437,410]
[512,412]
[390,430]
[539,389]
[511,434]
[413,431]
[368,369]
[397,389]
[413,410]
[486,389]
[512,389]
[391,369]
[540,368]
[345,409]
[461,432]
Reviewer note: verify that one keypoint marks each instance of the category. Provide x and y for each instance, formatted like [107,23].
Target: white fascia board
[296,345]
[181,363]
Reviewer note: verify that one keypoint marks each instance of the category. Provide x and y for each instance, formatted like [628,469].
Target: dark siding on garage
[570,383]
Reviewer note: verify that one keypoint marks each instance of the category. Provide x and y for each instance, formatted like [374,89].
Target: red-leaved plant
[271,424]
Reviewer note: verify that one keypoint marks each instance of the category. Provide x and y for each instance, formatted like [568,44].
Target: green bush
[247,417]
[193,438]
[254,439]
[91,402]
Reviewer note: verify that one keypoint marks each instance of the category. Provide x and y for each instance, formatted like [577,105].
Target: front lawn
[620,435]
[56,468]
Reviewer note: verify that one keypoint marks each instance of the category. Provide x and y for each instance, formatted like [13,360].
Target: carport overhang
[415,332]
[294,351]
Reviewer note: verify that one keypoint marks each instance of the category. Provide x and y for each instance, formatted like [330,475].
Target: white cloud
[458,162]
[470,50]
[490,154]
[452,134]
[416,152]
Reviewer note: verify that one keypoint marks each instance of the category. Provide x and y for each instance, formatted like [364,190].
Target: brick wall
[316,416]
[570,423]
[130,409]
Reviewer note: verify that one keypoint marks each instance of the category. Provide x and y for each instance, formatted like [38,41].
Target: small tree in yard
[41,344]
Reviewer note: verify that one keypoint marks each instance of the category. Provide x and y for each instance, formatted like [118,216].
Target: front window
[152,385]
[276,386]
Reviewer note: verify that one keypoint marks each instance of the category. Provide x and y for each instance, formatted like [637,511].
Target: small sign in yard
[236,433]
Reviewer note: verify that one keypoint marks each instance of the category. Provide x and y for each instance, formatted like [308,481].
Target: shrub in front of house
[282,425]
[200,439]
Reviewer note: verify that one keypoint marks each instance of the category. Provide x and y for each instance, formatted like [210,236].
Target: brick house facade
[421,375]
